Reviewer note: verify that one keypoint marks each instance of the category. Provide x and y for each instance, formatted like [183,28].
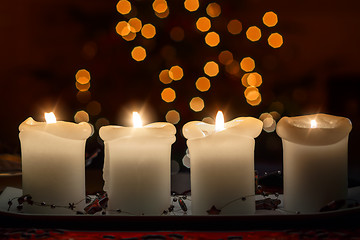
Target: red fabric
[77,235]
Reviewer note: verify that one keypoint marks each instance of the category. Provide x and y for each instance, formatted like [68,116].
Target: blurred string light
[191,5]
[213,10]
[197,104]
[211,69]
[238,66]
[168,95]
[203,24]
[172,116]
[212,39]
[81,116]
[234,27]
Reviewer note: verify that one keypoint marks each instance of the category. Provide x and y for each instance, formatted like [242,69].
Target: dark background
[43,44]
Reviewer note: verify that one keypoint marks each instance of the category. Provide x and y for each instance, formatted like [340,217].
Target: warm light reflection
[203,84]
[82,87]
[137,123]
[82,76]
[313,123]
[270,19]
[253,33]
[219,121]
[176,73]
[234,27]
[122,28]
[212,39]
[164,77]
[177,34]
[168,95]
[211,69]
[172,116]
[275,40]
[197,104]
[148,31]
[203,24]
[81,116]
[50,117]
[160,6]
[247,64]
[191,5]
[164,14]
[254,79]
[131,36]
[213,10]
[123,7]
[226,57]
[135,24]
[138,53]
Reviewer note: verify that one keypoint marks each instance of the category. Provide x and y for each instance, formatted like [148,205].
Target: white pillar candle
[53,162]
[315,160]
[137,167]
[222,165]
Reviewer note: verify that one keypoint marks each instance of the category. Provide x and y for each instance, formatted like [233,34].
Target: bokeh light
[251,93]
[160,6]
[168,95]
[93,108]
[244,79]
[83,96]
[253,33]
[131,36]
[270,19]
[138,53]
[233,68]
[212,39]
[269,124]
[211,69]
[82,87]
[123,7]
[247,64]
[122,28]
[213,10]
[148,31]
[234,26]
[101,122]
[164,14]
[164,77]
[226,57]
[254,79]
[197,104]
[81,116]
[255,102]
[135,25]
[176,73]
[275,40]
[172,116]
[177,34]
[191,5]
[203,24]
[82,76]
[203,84]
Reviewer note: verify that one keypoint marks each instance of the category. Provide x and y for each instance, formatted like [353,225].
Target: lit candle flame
[50,117]
[137,120]
[219,122]
[313,123]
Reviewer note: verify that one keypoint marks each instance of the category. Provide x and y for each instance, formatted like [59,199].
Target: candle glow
[313,123]
[219,122]
[50,117]
[137,120]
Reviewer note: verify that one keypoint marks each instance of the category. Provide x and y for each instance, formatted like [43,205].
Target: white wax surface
[53,163]
[137,168]
[222,166]
[315,160]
